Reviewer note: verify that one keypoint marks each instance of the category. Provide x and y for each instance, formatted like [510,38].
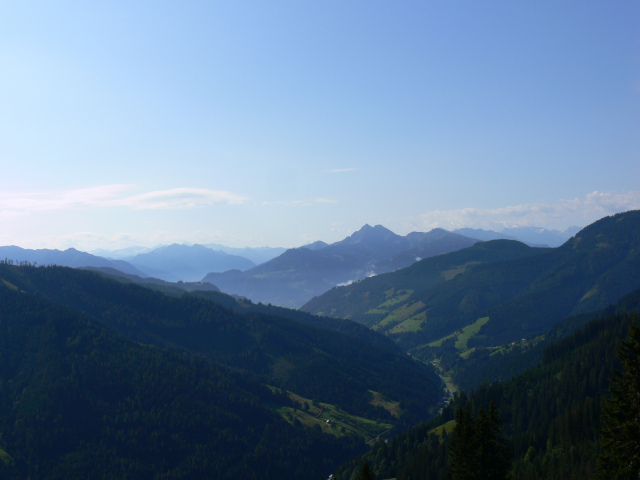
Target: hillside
[169,288]
[507,298]
[297,275]
[80,401]
[551,412]
[370,300]
[338,367]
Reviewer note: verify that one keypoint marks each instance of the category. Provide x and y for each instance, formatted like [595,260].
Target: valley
[413,345]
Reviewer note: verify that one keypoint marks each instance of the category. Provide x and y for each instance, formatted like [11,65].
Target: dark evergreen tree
[366,473]
[620,433]
[462,458]
[478,450]
[492,454]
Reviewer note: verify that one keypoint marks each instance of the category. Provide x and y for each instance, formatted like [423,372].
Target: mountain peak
[378,229]
[371,236]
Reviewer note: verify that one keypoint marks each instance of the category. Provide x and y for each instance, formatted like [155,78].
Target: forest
[551,415]
[78,399]
[101,375]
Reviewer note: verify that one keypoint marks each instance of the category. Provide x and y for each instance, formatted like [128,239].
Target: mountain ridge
[67,258]
[521,296]
[297,275]
[283,351]
[80,401]
[187,262]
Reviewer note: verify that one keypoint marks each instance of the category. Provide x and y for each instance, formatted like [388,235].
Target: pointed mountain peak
[317,245]
[370,234]
[378,229]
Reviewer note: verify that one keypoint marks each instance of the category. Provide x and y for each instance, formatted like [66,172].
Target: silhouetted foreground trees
[478,450]
[620,458]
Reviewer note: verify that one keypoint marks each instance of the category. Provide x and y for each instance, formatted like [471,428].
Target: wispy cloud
[104,196]
[179,198]
[341,170]
[301,203]
[561,214]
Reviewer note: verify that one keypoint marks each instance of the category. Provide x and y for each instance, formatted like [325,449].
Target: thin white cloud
[179,198]
[300,203]
[102,196]
[560,215]
[21,204]
[342,170]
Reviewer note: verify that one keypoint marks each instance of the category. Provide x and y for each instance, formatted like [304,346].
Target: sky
[253,123]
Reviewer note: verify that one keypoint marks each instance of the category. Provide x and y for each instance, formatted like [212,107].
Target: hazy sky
[279,123]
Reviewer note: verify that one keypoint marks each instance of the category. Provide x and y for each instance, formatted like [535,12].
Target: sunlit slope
[551,411]
[371,300]
[522,290]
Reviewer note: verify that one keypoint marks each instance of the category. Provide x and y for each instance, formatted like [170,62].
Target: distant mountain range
[277,275]
[187,263]
[67,258]
[257,255]
[532,236]
[299,274]
[122,253]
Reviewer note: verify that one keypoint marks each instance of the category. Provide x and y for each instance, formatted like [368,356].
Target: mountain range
[257,255]
[187,263]
[67,258]
[299,274]
[190,263]
[106,374]
[532,236]
[474,301]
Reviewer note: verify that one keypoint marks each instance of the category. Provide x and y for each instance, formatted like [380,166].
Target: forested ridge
[551,413]
[80,401]
[101,376]
[317,362]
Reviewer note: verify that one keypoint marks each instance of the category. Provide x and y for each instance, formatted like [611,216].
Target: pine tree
[478,450]
[462,456]
[492,454]
[366,473]
[620,433]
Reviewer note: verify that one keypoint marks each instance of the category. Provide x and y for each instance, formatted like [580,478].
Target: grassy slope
[332,420]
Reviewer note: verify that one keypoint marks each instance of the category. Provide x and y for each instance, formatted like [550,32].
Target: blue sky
[280,123]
